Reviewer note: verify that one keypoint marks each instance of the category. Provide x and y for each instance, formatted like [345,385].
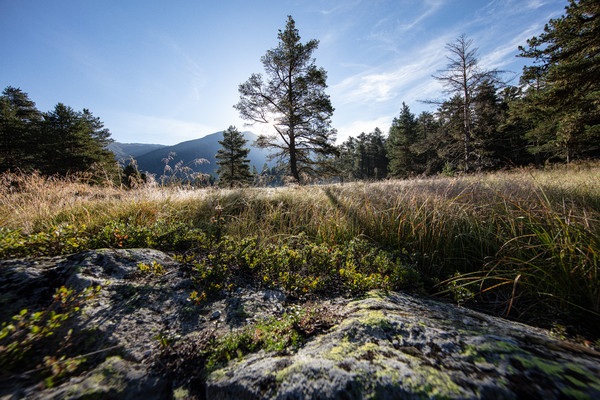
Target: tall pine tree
[461,78]
[293,102]
[19,123]
[566,99]
[73,141]
[403,134]
[234,167]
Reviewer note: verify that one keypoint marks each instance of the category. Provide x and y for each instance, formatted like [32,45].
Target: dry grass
[33,202]
[526,233]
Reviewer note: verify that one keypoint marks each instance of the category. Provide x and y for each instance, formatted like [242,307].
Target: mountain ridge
[186,153]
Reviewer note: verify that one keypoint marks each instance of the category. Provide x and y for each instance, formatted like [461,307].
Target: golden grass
[532,227]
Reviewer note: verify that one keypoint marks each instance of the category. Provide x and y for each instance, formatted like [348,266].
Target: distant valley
[150,157]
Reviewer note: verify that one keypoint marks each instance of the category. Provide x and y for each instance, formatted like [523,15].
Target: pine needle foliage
[234,166]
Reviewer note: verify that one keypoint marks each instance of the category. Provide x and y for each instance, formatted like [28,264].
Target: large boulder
[395,346]
[386,345]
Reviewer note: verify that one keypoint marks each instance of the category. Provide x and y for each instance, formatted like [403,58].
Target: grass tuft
[516,242]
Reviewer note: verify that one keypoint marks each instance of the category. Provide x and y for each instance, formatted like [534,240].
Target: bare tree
[461,77]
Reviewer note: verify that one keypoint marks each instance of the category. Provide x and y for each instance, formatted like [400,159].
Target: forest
[551,116]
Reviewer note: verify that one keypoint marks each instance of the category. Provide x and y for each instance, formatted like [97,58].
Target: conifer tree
[73,141]
[293,102]
[234,167]
[19,119]
[563,89]
[461,78]
[403,134]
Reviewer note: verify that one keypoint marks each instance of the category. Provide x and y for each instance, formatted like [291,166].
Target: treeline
[62,141]
[553,115]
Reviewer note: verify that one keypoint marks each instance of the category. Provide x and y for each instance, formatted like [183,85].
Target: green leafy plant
[41,335]
[287,332]
[59,239]
[154,268]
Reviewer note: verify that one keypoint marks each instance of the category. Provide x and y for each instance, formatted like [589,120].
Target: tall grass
[520,238]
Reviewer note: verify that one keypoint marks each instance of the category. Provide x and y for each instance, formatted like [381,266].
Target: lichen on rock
[392,345]
[142,338]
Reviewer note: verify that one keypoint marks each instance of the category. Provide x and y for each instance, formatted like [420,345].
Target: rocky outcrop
[394,346]
[386,345]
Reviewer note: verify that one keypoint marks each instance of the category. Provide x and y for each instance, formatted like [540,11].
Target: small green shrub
[153,268]
[40,338]
[61,239]
[299,266]
[287,333]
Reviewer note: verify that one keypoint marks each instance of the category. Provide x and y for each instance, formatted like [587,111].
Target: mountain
[123,151]
[191,150]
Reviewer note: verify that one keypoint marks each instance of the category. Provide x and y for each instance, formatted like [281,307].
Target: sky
[168,71]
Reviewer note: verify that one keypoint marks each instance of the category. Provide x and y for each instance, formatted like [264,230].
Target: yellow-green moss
[181,394]
[432,383]
[282,375]
[104,379]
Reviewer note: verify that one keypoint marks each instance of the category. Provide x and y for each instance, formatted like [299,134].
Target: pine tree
[564,105]
[403,134]
[19,123]
[74,141]
[488,114]
[449,138]
[376,149]
[234,167]
[293,102]
[425,156]
[461,78]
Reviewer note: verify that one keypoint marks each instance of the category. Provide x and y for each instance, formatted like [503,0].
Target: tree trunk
[467,121]
[293,161]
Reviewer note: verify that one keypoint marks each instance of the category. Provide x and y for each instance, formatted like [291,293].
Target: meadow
[523,243]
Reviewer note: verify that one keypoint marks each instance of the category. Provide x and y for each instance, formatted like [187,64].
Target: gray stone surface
[387,346]
[394,346]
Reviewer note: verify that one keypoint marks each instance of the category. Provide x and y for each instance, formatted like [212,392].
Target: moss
[105,379]
[180,394]
[218,374]
[584,372]
[340,351]
[388,373]
[572,376]
[375,319]
[365,319]
[551,368]
[575,381]
[432,383]
[475,353]
[283,374]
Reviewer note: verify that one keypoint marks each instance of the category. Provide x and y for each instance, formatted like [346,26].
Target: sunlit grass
[520,238]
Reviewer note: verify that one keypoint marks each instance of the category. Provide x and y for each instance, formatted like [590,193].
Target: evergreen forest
[551,116]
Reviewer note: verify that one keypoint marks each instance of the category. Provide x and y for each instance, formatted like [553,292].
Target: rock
[393,346]
[115,379]
[385,346]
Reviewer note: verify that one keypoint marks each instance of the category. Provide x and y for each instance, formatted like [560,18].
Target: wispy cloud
[196,77]
[385,83]
[432,7]
[342,7]
[534,4]
[388,29]
[503,55]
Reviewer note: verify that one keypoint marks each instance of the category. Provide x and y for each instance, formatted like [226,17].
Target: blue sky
[168,71]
